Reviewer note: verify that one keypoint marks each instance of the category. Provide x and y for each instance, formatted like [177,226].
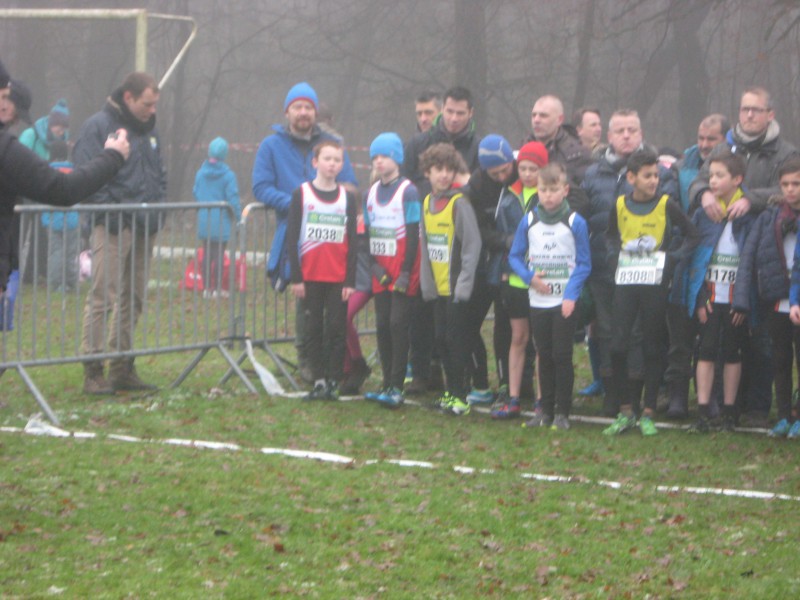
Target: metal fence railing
[46,323]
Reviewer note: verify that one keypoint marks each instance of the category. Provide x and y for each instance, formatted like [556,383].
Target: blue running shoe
[480,397]
[593,389]
[794,432]
[376,395]
[781,429]
[392,397]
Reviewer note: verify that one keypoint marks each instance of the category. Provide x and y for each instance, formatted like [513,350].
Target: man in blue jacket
[121,238]
[282,164]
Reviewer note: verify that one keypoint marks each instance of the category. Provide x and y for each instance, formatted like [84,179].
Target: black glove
[401,283]
[380,275]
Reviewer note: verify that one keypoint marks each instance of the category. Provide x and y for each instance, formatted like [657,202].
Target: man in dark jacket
[757,138]
[561,140]
[23,173]
[121,238]
[454,126]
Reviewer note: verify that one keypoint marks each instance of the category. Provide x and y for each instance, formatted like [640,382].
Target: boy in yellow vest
[639,241]
[450,246]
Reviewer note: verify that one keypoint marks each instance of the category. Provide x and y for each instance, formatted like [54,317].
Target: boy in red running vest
[322,227]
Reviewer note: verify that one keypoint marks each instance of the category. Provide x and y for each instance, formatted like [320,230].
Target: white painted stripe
[37,427]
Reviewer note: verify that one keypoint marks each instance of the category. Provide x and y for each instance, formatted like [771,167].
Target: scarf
[551,218]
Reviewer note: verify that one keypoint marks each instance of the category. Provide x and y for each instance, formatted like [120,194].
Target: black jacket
[142,178]
[465,142]
[23,173]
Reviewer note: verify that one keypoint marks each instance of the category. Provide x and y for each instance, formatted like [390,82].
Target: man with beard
[283,164]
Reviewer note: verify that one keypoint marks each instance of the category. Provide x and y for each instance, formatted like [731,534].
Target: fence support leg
[195,361]
[234,366]
[38,395]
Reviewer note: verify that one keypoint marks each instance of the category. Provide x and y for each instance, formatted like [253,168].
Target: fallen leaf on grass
[492,545]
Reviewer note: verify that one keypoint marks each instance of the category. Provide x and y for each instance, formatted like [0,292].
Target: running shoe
[700,426]
[794,432]
[457,406]
[593,389]
[539,419]
[647,427]
[480,397]
[620,425]
[443,402]
[391,397]
[376,395]
[508,410]
[781,429]
[320,392]
[728,425]
[331,390]
[560,423]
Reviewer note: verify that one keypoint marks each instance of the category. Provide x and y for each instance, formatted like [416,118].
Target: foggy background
[672,60]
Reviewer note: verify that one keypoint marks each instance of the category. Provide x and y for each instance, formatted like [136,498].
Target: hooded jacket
[216,182]
[283,164]
[142,179]
[38,137]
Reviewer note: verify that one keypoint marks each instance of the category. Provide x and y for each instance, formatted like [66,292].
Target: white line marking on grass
[321,456]
[36,426]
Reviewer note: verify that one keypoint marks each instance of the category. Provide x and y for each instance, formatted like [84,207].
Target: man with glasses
[756,137]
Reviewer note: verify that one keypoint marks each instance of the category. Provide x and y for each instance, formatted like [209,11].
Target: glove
[401,283]
[380,275]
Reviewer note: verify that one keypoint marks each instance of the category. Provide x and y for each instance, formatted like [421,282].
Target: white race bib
[325,228]
[438,251]
[640,269]
[382,242]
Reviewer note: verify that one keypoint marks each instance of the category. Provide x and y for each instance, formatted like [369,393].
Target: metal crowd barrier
[48,314]
[265,315]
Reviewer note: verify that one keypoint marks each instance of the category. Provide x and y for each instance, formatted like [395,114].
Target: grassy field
[105,518]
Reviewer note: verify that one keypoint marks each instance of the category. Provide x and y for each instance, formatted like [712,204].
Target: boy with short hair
[391,217]
[639,236]
[450,248]
[711,291]
[320,231]
[551,255]
[768,262]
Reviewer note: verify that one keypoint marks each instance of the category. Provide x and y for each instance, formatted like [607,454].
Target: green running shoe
[457,406]
[647,427]
[620,425]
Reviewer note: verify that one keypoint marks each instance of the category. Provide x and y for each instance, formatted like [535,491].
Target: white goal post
[140,15]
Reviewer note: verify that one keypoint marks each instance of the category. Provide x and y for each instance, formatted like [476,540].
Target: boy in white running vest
[551,255]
